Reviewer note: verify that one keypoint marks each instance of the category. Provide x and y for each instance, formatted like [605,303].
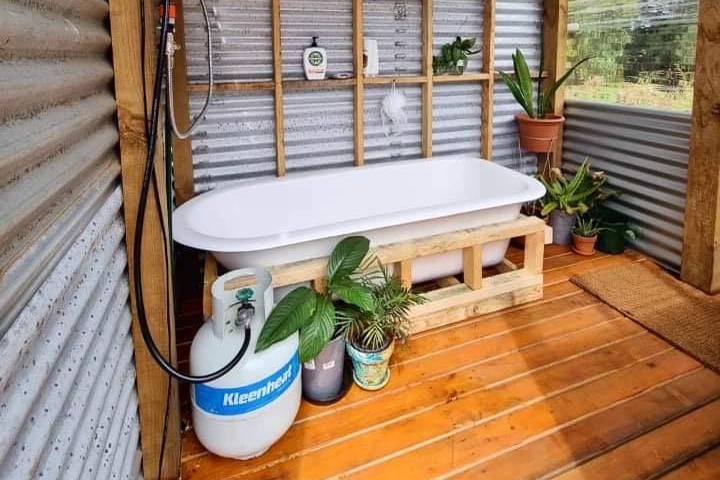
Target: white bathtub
[302,216]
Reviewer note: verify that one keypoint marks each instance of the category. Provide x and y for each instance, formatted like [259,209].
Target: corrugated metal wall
[518,24]
[68,406]
[237,140]
[645,154]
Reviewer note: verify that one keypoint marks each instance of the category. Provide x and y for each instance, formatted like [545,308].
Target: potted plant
[538,128]
[322,343]
[565,198]
[584,235]
[371,333]
[454,56]
[614,232]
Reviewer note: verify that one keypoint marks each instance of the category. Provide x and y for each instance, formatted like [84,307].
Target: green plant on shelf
[454,56]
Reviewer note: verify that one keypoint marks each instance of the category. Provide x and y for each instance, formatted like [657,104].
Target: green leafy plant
[576,195]
[454,56]
[371,329]
[521,86]
[314,314]
[586,227]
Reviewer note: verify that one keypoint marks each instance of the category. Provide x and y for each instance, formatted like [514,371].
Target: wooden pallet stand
[452,303]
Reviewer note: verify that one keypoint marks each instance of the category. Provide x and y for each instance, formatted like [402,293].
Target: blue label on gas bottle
[245,399]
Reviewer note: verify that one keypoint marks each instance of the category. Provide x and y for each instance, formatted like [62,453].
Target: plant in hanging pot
[584,235]
[454,57]
[371,333]
[565,198]
[322,340]
[538,128]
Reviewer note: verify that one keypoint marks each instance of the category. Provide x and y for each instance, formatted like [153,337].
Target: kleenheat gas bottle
[244,412]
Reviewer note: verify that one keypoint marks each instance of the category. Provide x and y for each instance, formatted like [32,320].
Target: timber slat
[563,381]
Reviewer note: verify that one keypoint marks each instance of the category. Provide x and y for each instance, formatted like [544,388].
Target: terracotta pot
[584,245]
[371,367]
[539,135]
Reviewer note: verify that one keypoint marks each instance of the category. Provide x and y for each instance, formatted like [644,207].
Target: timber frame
[554,40]
[455,301]
[701,244]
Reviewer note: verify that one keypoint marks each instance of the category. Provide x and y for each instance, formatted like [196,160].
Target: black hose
[140,224]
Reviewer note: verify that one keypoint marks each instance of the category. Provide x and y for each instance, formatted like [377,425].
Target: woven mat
[680,314]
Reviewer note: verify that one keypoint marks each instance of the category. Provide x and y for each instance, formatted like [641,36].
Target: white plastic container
[244,412]
[315,61]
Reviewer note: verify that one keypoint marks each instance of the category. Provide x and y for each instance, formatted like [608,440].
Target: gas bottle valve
[246,310]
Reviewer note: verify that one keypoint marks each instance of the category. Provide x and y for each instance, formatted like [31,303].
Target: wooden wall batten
[152,382]
[427,71]
[488,87]
[701,244]
[181,149]
[277,78]
[555,19]
[359,89]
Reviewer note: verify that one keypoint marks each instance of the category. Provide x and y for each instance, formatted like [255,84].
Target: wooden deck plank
[594,387]
[600,432]
[703,467]
[661,449]
[561,387]
[562,381]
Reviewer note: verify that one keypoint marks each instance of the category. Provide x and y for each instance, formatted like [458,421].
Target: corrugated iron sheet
[237,140]
[645,154]
[518,25]
[65,345]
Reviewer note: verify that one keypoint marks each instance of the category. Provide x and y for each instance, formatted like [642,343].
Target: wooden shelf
[317,84]
[232,86]
[386,79]
[465,77]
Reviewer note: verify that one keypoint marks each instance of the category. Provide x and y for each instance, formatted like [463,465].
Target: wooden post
[152,382]
[359,88]
[701,245]
[534,252]
[555,19]
[427,71]
[277,78]
[488,86]
[472,266]
[403,270]
[182,149]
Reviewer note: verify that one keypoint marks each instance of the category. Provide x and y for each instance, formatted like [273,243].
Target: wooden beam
[233,87]
[555,19]
[277,78]
[181,149]
[472,266]
[152,382]
[486,119]
[427,71]
[403,270]
[701,245]
[359,91]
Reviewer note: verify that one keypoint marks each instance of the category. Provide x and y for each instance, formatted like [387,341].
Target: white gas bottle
[241,414]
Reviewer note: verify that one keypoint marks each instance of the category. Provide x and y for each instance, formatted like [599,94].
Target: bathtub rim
[184,234]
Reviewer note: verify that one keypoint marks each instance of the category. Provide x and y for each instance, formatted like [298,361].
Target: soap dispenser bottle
[315,61]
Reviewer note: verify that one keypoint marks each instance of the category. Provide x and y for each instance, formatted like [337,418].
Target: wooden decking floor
[565,387]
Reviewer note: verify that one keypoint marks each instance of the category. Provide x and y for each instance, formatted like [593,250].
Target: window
[644,51]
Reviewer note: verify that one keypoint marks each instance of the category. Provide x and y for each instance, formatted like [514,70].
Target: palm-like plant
[576,195]
[521,86]
[372,329]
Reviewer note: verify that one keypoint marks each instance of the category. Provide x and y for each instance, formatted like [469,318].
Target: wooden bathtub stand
[446,304]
